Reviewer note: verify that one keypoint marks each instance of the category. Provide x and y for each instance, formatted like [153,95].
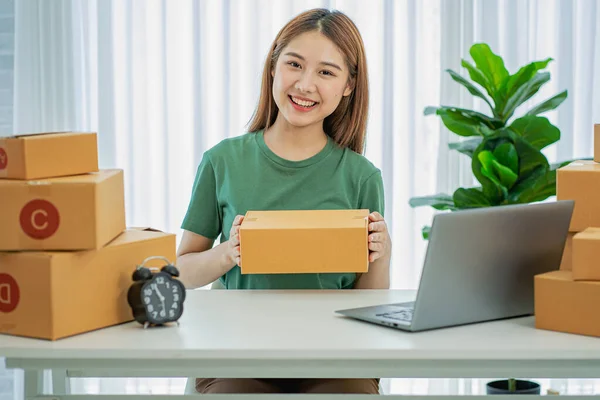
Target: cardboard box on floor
[51,295]
[586,253]
[304,241]
[48,155]
[565,305]
[79,212]
[597,143]
[580,181]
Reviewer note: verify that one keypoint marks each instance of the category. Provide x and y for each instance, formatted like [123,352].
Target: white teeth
[303,103]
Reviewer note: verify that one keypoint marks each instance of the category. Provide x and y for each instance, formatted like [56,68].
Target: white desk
[284,334]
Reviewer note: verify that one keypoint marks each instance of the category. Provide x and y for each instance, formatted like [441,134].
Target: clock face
[163,298]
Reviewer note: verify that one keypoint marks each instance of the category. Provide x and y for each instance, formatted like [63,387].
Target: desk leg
[60,382]
[34,383]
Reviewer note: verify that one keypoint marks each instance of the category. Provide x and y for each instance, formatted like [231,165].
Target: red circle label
[3,158]
[9,293]
[39,219]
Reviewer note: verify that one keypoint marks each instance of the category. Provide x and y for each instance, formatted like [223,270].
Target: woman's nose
[306,83]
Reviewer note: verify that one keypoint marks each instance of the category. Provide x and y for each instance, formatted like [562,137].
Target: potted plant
[512,386]
[505,149]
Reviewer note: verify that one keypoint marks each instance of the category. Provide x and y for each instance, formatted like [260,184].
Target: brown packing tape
[144,228]
[24,135]
[39,188]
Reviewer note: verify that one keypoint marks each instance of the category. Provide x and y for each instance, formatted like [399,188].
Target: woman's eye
[326,72]
[294,64]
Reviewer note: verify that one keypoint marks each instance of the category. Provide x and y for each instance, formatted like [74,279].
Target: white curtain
[163,81]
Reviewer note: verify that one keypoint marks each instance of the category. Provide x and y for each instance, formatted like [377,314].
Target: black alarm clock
[156,297]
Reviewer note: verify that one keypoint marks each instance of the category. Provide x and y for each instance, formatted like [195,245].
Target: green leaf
[430,110]
[467,147]
[540,185]
[425,232]
[530,158]
[560,164]
[492,67]
[549,104]
[438,201]
[523,93]
[486,160]
[470,198]
[537,131]
[490,122]
[497,172]
[470,87]
[523,75]
[478,77]
[464,122]
[462,126]
[506,154]
[516,82]
[538,81]
[507,177]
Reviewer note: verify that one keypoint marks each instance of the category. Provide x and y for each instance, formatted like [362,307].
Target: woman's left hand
[379,238]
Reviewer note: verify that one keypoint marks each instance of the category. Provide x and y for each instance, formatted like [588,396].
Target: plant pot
[523,387]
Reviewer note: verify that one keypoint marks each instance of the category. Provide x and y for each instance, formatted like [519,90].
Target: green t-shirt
[241,174]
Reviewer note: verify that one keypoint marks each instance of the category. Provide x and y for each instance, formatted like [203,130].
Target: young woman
[303,150]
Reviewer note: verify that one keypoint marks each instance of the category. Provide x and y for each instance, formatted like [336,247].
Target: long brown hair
[347,125]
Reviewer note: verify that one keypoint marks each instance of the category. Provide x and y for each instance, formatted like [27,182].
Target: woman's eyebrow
[333,65]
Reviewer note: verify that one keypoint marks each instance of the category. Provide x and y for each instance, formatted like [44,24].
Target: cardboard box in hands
[304,241]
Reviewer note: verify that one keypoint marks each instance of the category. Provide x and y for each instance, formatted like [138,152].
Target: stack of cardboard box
[566,300]
[66,256]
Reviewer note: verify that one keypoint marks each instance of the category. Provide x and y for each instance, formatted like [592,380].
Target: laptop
[480,266]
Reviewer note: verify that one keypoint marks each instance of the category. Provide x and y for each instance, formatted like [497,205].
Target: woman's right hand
[232,252]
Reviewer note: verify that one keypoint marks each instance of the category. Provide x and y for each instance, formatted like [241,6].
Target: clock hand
[160,296]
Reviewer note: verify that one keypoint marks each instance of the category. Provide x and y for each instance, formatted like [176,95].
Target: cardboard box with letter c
[79,212]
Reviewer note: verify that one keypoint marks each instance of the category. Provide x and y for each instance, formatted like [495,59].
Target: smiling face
[309,80]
